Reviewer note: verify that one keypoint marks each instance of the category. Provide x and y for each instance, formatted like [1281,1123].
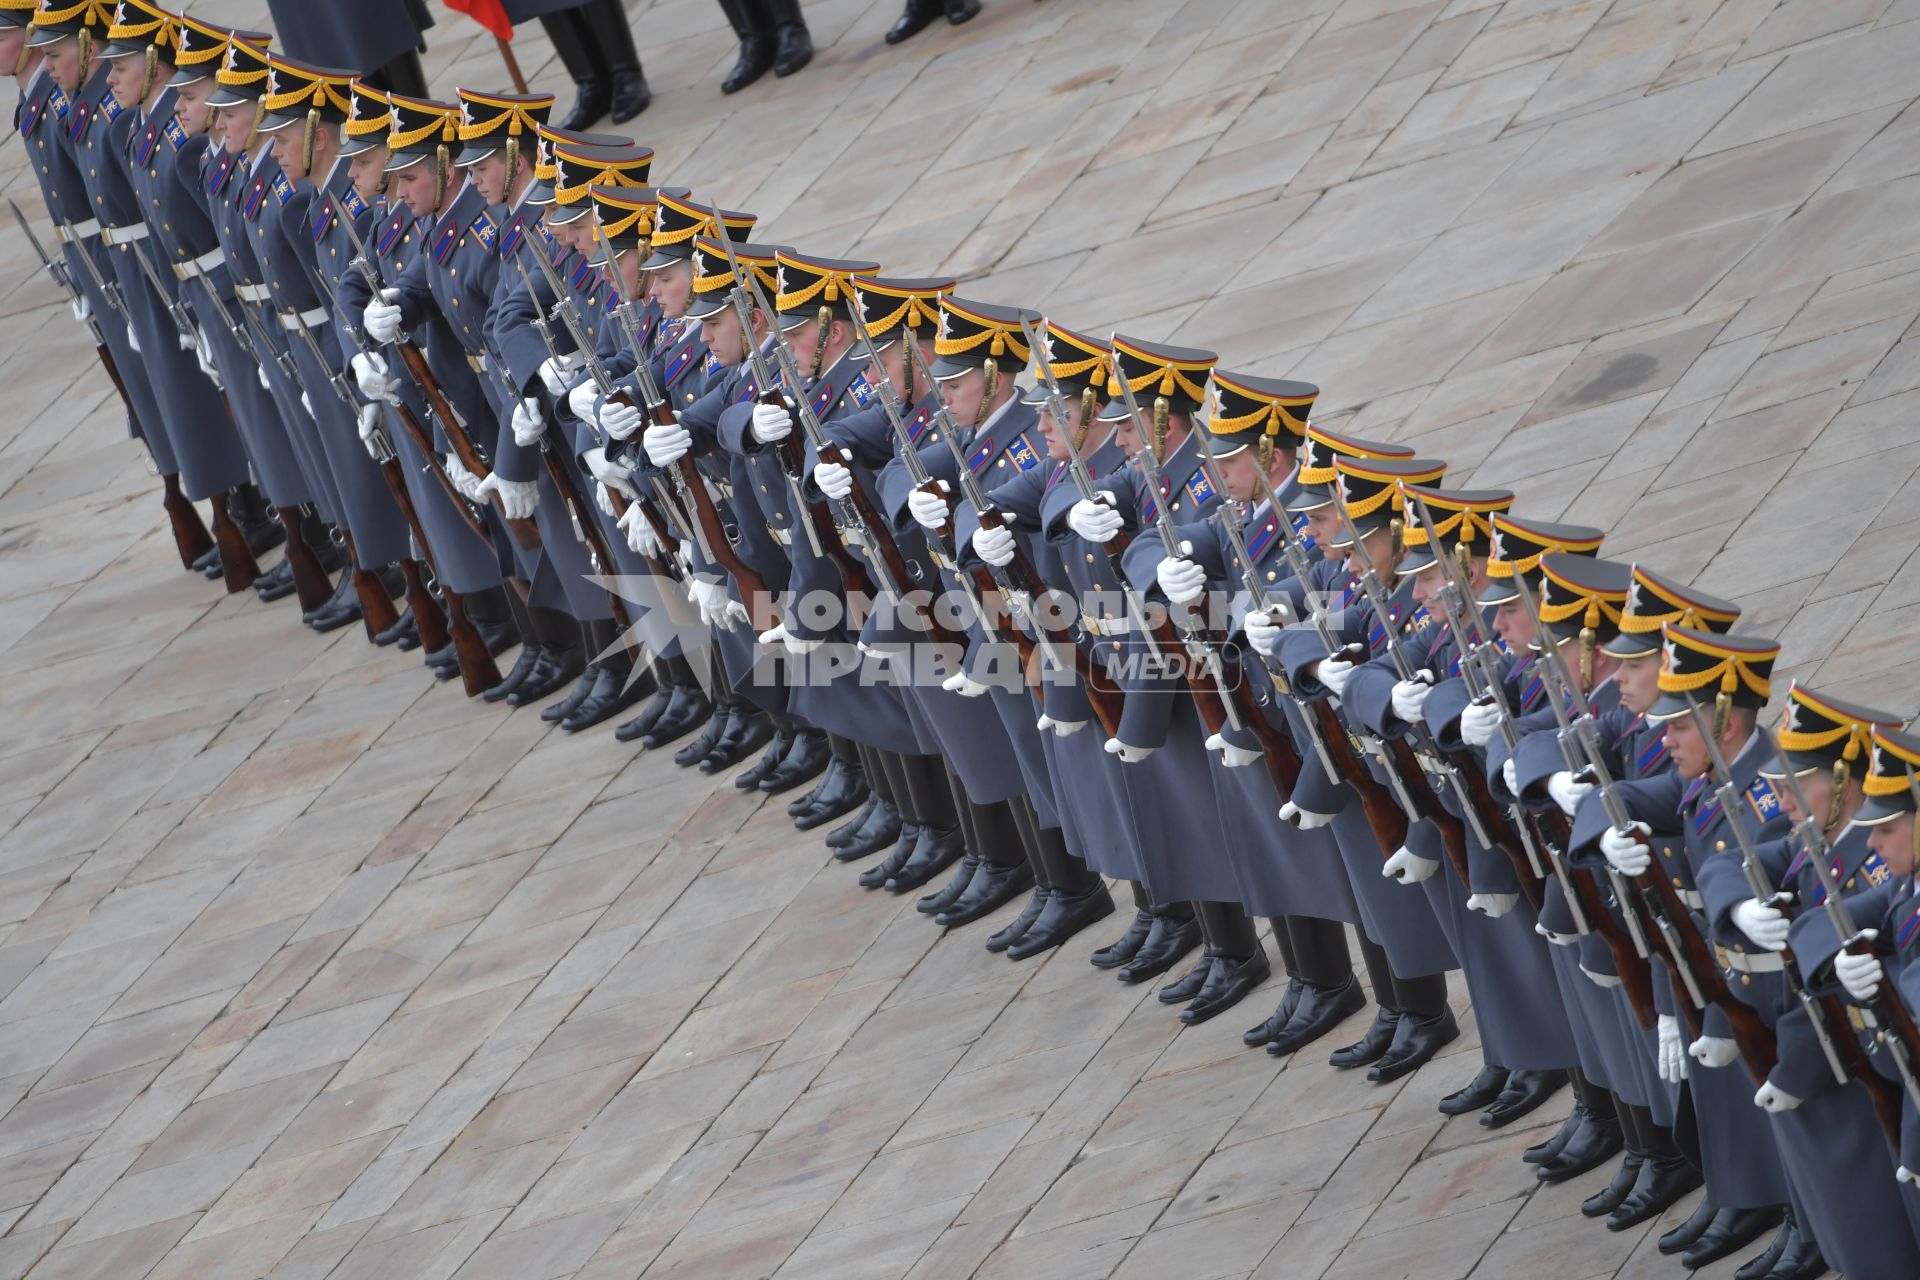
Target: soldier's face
[287,150]
[1513,625]
[1242,474]
[1639,681]
[722,333]
[123,78]
[236,126]
[490,175]
[1056,432]
[962,395]
[63,64]
[1817,787]
[1322,524]
[190,105]
[673,288]
[804,338]
[12,41]
[1427,584]
[1376,550]
[1686,746]
[368,171]
[415,186]
[1893,841]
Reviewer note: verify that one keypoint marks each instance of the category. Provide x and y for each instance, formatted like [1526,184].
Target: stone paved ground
[308,968]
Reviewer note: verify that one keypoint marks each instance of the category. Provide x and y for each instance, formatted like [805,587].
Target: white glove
[1673,1058]
[381,320]
[1231,756]
[771,423]
[1183,580]
[1713,1051]
[518,498]
[1408,867]
[581,400]
[717,608]
[666,445]
[1557,939]
[1906,1175]
[189,341]
[1765,925]
[1477,723]
[1408,697]
[1624,853]
[1773,1100]
[375,381]
[610,474]
[1059,728]
[639,530]
[1305,819]
[620,421]
[557,373]
[963,684]
[930,510]
[369,422]
[1335,672]
[464,480]
[602,499]
[994,545]
[835,480]
[529,423]
[778,635]
[1262,634]
[1567,791]
[1860,975]
[1096,521]
[203,353]
[133,340]
[1492,905]
[260,372]
[81,308]
[1127,754]
[1510,775]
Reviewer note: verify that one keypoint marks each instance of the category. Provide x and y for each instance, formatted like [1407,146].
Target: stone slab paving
[310,969]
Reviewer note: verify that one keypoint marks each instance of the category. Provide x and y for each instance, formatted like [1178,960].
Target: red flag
[488,13]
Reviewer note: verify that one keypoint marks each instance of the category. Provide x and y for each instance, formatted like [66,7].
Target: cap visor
[350,147]
[187,75]
[1311,497]
[44,36]
[1499,591]
[871,350]
[474,153]
[1800,762]
[273,122]
[1632,645]
[792,322]
[402,160]
[559,215]
[664,258]
[540,193]
[121,49]
[701,308]
[227,96]
[1668,706]
[944,368]
[1879,809]
[1415,562]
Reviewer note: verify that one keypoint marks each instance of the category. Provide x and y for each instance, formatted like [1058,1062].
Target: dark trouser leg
[1234,963]
[793,45]
[1005,867]
[920,791]
[613,38]
[585,64]
[755,30]
[402,75]
[1319,950]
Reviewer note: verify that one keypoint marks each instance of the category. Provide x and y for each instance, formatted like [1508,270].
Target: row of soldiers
[1135,620]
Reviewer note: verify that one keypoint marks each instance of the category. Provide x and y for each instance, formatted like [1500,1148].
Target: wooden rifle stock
[1494,821]
[589,527]
[1453,831]
[477,670]
[1385,817]
[1634,970]
[377,613]
[853,574]
[427,618]
[524,532]
[190,536]
[237,564]
[713,530]
[424,443]
[1750,1034]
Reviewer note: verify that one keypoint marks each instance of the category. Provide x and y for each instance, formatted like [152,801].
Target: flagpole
[513,65]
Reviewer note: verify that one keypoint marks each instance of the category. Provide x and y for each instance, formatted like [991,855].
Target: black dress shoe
[498,636]
[1683,1236]
[263,535]
[1187,985]
[529,658]
[337,612]
[696,751]
[1016,928]
[745,734]
[834,799]
[756,59]
[1415,1041]
[1662,1181]
[401,632]
[955,888]
[1731,1231]
[991,888]
[207,563]
[686,711]
[1229,981]
[1592,1145]
[881,828]
[1371,1046]
[1478,1092]
[590,105]
[548,677]
[630,94]
[934,852]
[783,739]
[1615,1193]
[885,869]
[803,763]
[792,46]
[1760,1264]
[1802,1260]
[611,695]
[1541,1152]
[445,656]
[800,804]
[1168,942]
[648,717]
[1254,1037]
[342,592]
[1063,916]
[915,18]
[581,691]
[842,835]
[1320,1010]
[1525,1091]
[276,583]
[1127,946]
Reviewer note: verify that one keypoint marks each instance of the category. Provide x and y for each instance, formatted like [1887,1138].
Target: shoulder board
[1300,527]
[1150,501]
[581,274]
[824,397]
[355,205]
[78,121]
[678,363]
[977,460]
[390,233]
[748,390]
[1261,538]
[322,222]
[1652,754]
[140,145]
[860,390]
[1875,869]
[1200,488]
[32,116]
[511,240]
[176,136]
[1765,802]
[256,196]
[1059,473]
[485,230]
[711,364]
[443,247]
[1024,455]
[110,108]
[219,171]
[282,188]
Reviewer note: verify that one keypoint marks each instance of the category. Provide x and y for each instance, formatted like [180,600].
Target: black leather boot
[1615,1193]
[530,655]
[955,888]
[792,43]
[748,729]
[992,887]
[1016,928]
[784,737]
[885,869]
[934,852]
[1415,1041]
[1320,1010]
[648,717]
[877,831]
[687,709]
[804,762]
[915,18]
[1761,1264]
[1524,1092]
[276,583]
[1174,934]
[1592,1145]
[1229,981]
[696,751]
[1187,985]
[612,36]
[612,694]
[1541,1152]
[1123,949]
[1476,1093]
[842,835]
[1063,915]
[835,798]
[549,676]
[1664,1178]
[581,691]
[1371,1046]
[1800,1260]
[1683,1236]
[1254,1037]
[570,32]
[1730,1231]
[756,43]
